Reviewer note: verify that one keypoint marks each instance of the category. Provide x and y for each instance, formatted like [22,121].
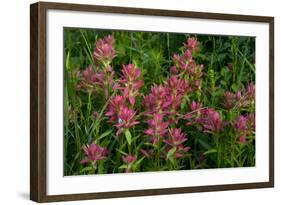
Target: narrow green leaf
[139,161]
[210,151]
[87,169]
[170,154]
[104,134]
[124,166]
[128,136]
[120,151]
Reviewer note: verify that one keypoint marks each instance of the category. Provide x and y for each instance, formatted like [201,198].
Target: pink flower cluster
[102,76]
[175,140]
[104,51]
[186,65]
[121,108]
[166,99]
[94,153]
[245,126]
[240,99]
[157,128]
[129,161]
[130,82]
[161,109]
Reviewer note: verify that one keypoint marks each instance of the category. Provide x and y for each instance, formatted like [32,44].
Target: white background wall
[14,101]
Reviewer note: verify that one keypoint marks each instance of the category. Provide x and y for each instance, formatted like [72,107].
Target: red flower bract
[90,79]
[192,44]
[212,120]
[104,51]
[130,82]
[115,107]
[129,159]
[157,100]
[241,123]
[245,123]
[94,153]
[176,137]
[158,127]
[126,119]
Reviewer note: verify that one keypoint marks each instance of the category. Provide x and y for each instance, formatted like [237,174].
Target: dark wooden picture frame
[38,101]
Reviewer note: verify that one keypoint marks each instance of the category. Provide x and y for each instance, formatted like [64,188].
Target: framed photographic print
[134,102]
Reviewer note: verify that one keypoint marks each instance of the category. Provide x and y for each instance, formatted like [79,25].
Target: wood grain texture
[33,102]
[37,103]
[38,99]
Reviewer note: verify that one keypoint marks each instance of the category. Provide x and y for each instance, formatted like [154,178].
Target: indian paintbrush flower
[212,120]
[130,82]
[175,140]
[176,137]
[104,51]
[192,44]
[245,126]
[94,153]
[157,128]
[126,119]
[115,106]
[157,100]
[129,161]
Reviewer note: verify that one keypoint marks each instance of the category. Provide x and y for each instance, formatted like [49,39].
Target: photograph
[128,101]
[142,101]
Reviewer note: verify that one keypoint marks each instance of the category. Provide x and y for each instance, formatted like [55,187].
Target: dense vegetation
[146,101]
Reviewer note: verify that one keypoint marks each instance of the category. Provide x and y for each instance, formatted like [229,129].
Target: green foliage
[229,65]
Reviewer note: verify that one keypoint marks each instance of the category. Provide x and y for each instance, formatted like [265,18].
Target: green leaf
[128,136]
[204,144]
[170,154]
[139,161]
[120,151]
[104,134]
[236,87]
[67,60]
[210,151]
[87,169]
[124,166]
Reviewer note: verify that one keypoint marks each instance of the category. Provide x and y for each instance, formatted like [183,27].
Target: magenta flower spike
[229,100]
[245,123]
[94,153]
[212,121]
[181,150]
[129,159]
[157,101]
[88,74]
[176,88]
[115,107]
[130,82]
[175,140]
[90,79]
[104,51]
[251,89]
[195,106]
[157,127]
[126,119]
[251,121]
[245,126]
[241,123]
[243,139]
[192,44]
[176,137]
